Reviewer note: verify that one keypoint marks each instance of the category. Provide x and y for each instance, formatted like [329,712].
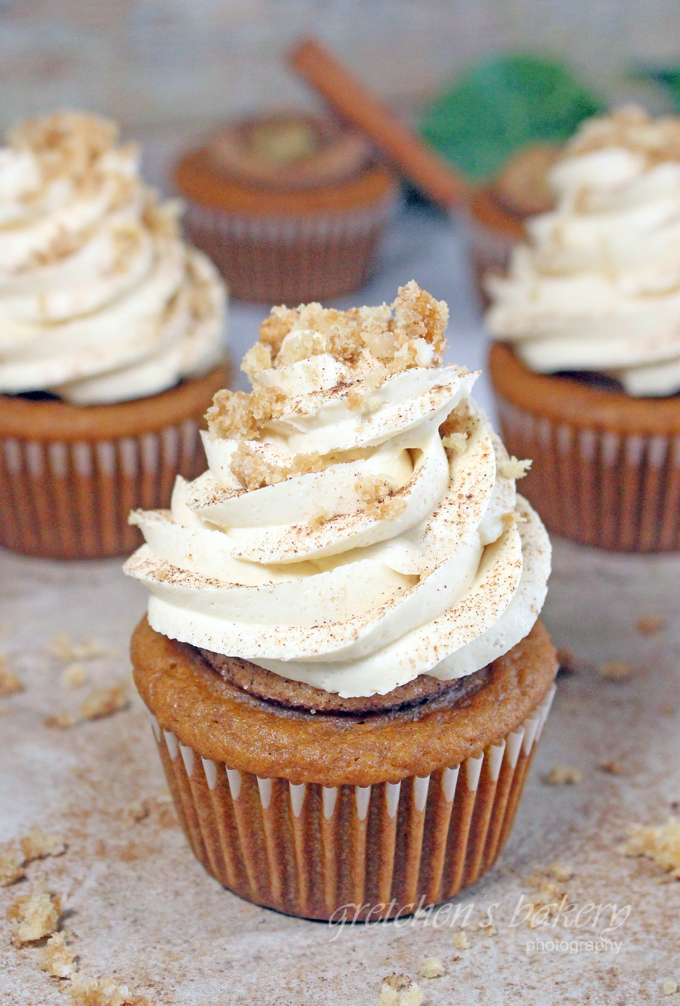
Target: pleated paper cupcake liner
[615,490]
[290,258]
[351,852]
[72,500]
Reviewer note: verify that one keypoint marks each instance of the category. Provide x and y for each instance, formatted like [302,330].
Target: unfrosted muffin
[589,379]
[111,341]
[342,656]
[289,207]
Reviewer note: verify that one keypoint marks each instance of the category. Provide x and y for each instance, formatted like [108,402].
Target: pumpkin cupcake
[289,207]
[588,380]
[342,656]
[110,344]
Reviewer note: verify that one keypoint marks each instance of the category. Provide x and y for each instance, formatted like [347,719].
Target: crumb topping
[58,959]
[432,967]
[399,990]
[38,844]
[103,992]
[661,844]
[12,863]
[376,495]
[373,342]
[104,702]
[631,126]
[515,469]
[254,470]
[34,915]
[9,682]
[563,775]
[461,942]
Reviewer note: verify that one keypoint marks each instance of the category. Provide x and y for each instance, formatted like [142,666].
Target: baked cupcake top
[358,524]
[100,299]
[597,288]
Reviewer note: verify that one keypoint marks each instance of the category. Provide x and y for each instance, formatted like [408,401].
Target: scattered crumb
[11,865]
[614,670]
[566,661]
[650,624]
[375,495]
[432,967]
[61,647]
[254,470]
[661,844]
[37,845]
[399,990]
[561,871]
[58,958]
[563,775]
[105,992]
[669,987]
[9,683]
[62,720]
[139,811]
[73,676]
[34,915]
[104,702]
[461,942]
[612,768]
[515,469]
[455,442]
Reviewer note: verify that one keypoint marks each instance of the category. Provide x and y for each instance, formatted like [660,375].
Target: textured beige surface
[140,907]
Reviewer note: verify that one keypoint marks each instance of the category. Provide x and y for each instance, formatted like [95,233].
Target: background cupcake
[289,207]
[111,342]
[342,655]
[588,383]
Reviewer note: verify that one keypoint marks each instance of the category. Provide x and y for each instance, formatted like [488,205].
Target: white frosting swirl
[100,300]
[598,286]
[306,578]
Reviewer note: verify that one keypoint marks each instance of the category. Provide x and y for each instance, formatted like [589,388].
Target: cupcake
[587,379]
[342,657]
[110,342]
[289,207]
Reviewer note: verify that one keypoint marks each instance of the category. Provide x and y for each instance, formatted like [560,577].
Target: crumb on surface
[614,670]
[669,987]
[660,844]
[563,775]
[612,768]
[61,720]
[58,958]
[566,660]
[562,872]
[461,942]
[254,470]
[61,647]
[11,865]
[399,990]
[38,844]
[9,683]
[73,676]
[34,915]
[104,702]
[103,992]
[649,624]
[513,468]
[432,967]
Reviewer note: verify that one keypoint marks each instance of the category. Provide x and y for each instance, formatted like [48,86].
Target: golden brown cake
[289,207]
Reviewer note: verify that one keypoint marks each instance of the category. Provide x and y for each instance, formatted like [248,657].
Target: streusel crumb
[38,844]
[563,775]
[9,683]
[62,720]
[461,942]
[58,958]
[432,967]
[11,865]
[650,624]
[455,442]
[661,844]
[34,915]
[375,494]
[73,676]
[399,990]
[614,670]
[253,470]
[241,416]
[669,987]
[633,128]
[515,469]
[257,359]
[61,647]
[104,702]
[103,992]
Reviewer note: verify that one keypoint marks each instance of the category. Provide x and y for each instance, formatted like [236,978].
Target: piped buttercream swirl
[597,287]
[100,299]
[358,524]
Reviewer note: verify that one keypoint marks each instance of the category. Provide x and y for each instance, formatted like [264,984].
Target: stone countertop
[139,907]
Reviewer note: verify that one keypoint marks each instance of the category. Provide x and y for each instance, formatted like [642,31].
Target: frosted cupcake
[342,658]
[111,341]
[588,380]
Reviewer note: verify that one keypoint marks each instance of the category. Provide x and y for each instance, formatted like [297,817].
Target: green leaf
[667,76]
[502,105]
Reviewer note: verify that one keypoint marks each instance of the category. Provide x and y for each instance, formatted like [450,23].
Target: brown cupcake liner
[493,233]
[351,852]
[66,493]
[290,258]
[616,490]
